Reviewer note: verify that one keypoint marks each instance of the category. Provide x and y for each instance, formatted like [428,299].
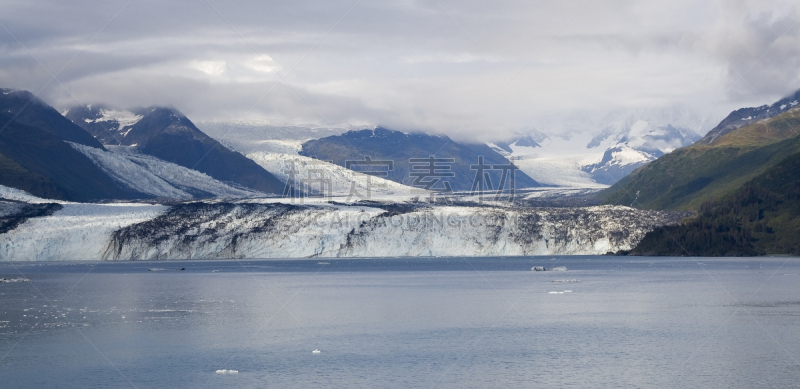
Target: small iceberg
[316,351]
[18,279]
[542,268]
[226,371]
[156,269]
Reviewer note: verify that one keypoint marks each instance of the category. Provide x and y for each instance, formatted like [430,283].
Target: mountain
[167,134]
[743,180]
[746,116]
[687,177]
[761,217]
[39,161]
[523,141]
[596,151]
[26,109]
[617,162]
[399,147]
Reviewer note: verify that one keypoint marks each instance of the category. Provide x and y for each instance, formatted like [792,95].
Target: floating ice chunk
[316,351]
[156,269]
[226,371]
[542,268]
[18,279]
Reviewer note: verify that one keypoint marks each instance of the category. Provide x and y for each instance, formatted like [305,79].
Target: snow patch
[123,118]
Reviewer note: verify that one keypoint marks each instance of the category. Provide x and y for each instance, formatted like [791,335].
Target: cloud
[465,68]
[761,50]
[211,68]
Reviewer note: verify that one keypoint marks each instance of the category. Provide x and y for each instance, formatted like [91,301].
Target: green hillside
[761,217]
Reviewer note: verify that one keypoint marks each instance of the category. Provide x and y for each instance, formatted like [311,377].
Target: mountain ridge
[398,147]
[169,135]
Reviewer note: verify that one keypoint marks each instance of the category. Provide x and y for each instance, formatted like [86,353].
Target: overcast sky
[466,68]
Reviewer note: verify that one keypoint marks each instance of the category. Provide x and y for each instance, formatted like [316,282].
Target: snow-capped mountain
[598,151]
[641,144]
[35,155]
[746,116]
[167,134]
[109,126]
[617,162]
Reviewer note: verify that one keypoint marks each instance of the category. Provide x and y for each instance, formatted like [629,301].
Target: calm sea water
[462,323]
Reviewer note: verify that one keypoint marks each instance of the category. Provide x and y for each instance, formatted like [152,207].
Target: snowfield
[333,179]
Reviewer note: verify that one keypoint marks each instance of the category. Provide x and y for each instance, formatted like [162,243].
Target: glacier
[281,229]
[76,232]
[158,178]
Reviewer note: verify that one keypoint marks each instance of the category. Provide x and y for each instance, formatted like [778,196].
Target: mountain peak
[165,133]
[25,108]
[746,116]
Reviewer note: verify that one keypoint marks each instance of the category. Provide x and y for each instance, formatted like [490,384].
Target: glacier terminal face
[278,230]
[249,229]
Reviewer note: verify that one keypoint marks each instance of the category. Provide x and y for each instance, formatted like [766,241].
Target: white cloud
[263,64]
[211,68]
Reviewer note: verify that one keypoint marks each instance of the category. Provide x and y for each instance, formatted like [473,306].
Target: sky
[468,69]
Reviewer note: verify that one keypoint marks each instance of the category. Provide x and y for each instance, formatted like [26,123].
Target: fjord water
[477,322]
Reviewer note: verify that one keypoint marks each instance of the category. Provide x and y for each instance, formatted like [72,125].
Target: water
[461,323]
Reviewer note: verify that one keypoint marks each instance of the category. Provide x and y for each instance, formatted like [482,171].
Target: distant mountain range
[458,160]
[96,153]
[600,151]
[742,178]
